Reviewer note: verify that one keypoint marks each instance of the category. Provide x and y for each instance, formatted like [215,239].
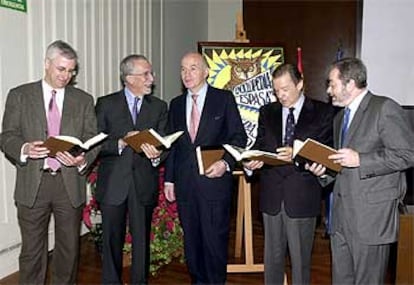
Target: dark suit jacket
[220,123]
[25,120]
[117,172]
[299,189]
[382,136]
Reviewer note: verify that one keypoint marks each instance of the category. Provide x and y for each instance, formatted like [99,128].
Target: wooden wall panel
[318,27]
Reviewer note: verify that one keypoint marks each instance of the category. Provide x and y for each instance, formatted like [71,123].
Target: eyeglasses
[145,74]
[61,69]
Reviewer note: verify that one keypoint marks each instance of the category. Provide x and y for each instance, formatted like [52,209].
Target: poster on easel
[246,70]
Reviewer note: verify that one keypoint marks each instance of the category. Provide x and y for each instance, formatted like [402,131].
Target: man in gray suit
[45,186]
[375,144]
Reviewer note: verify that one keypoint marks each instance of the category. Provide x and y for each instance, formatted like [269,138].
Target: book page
[94,140]
[256,153]
[72,140]
[297,145]
[169,139]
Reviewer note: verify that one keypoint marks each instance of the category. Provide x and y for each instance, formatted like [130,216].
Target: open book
[150,136]
[206,156]
[240,154]
[314,151]
[71,144]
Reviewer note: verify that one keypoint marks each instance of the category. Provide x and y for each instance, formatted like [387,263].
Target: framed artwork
[246,70]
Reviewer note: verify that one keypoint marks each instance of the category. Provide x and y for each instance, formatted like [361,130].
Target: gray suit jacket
[25,120]
[381,135]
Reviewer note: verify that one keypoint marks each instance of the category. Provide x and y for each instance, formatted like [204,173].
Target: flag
[299,60]
[339,53]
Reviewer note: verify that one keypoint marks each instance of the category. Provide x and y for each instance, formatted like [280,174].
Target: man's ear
[350,85]
[47,63]
[299,86]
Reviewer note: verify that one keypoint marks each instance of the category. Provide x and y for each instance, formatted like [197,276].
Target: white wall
[223,13]
[388,48]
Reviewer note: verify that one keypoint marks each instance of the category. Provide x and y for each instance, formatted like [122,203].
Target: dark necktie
[345,124]
[53,127]
[290,128]
[135,110]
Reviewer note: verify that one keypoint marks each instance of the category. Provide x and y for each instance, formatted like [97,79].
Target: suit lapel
[144,112]
[208,109]
[182,118]
[306,116]
[275,122]
[357,119]
[69,107]
[337,128]
[38,107]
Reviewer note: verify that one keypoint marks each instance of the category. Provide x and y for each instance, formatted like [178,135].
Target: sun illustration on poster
[246,71]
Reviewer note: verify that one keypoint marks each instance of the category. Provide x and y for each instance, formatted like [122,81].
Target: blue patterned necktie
[290,128]
[345,126]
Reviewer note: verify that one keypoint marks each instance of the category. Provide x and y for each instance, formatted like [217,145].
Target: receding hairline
[198,56]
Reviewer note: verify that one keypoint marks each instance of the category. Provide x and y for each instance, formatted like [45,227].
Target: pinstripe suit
[37,194]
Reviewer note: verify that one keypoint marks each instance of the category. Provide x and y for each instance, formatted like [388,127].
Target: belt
[52,172]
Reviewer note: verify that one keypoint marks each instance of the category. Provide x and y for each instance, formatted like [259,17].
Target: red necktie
[53,127]
[194,118]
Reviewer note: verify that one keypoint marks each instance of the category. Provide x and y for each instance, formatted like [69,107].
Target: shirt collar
[48,89]
[130,96]
[353,106]
[298,106]
[201,93]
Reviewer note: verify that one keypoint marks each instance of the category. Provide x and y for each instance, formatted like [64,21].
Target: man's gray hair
[63,49]
[127,65]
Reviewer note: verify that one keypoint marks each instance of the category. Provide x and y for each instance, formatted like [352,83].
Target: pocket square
[217,118]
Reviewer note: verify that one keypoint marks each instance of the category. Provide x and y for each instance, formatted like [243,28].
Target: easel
[244,213]
[244,201]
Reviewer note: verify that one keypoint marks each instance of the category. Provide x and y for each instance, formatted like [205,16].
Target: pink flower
[128,238]
[92,177]
[87,216]
[170,225]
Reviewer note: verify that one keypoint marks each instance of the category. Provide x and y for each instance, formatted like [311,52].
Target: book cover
[314,151]
[71,144]
[206,156]
[150,136]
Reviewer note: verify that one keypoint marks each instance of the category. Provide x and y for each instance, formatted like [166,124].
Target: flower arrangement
[166,232]
[92,217]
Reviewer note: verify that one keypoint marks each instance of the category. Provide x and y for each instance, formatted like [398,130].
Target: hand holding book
[71,144]
[313,151]
[151,137]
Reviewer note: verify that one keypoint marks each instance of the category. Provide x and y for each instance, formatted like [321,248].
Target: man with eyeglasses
[127,187]
[45,185]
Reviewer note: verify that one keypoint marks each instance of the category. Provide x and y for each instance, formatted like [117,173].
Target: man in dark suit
[46,186]
[209,117]
[127,186]
[290,197]
[375,144]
